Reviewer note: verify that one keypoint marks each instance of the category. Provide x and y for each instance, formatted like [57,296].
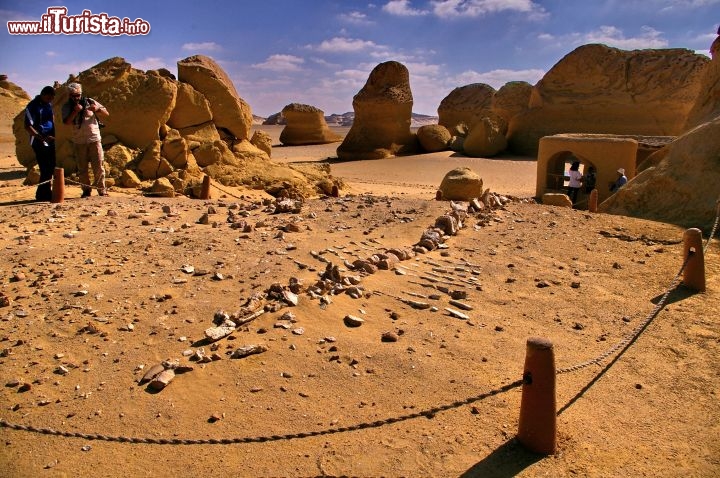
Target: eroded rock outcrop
[599,89]
[465,106]
[306,125]
[682,188]
[229,111]
[484,140]
[383,108]
[707,104]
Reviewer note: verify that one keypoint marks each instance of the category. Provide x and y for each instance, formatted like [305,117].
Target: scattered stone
[217,333]
[389,337]
[248,350]
[352,321]
[162,380]
[151,373]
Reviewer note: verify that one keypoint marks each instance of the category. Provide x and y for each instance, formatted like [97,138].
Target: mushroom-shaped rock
[306,125]
[383,110]
[461,184]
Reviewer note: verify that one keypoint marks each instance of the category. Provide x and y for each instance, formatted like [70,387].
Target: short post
[58,186]
[592,201]
[538,415]
[335,191]
[205,191]
[438,195]
[694,273]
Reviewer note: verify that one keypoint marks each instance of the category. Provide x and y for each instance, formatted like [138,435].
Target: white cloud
[477,8]
[281,63]
[704,52]
[402,8]
[151,63]
[613,36]
[357,18]
[345,45]
[202,46]
[497,78]
[50,53]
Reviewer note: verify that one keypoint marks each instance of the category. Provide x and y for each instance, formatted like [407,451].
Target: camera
[85,102]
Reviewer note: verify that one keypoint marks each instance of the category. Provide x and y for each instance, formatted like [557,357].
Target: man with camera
[82,113]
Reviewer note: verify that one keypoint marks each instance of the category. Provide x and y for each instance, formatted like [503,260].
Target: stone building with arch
[606,153]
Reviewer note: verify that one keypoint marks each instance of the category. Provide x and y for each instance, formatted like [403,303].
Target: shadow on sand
[510,459]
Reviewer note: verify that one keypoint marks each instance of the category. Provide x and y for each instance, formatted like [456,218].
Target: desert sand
[98,294]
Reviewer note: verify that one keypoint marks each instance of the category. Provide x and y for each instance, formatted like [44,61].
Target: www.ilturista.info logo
[57,22]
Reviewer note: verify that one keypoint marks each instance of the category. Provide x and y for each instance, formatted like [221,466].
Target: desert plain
[101,289]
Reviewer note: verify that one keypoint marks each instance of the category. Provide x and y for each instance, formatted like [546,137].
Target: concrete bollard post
[438,195]
[58,186]
[694,273]
[205,191]
[537,428]
[335,191]
[593,201]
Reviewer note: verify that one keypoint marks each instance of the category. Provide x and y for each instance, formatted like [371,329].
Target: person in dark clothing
[40,125]
[590,179]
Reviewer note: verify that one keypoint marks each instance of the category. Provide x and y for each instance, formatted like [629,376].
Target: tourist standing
[620,181]
[40,124]
[82,113]
[575,181]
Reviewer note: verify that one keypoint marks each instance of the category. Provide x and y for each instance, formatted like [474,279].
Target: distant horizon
[321,53]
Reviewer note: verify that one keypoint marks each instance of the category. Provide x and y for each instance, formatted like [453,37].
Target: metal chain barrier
[26,186]
[429,413]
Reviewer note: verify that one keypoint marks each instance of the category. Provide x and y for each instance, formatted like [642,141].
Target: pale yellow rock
[511,99]
[434,137]
[128,179]
[682,188]
[707,105]
[175,149]
[211,153]
[263,141]
[604,90]
[150,161]
[203,133]
[229,111]
[162,187]
[306,125]
[191,108]
[383,110]
[117,158]
[556,199]
[484,140]
[461,184]
[466,105]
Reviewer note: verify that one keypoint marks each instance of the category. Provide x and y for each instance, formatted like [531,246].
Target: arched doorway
[556,178]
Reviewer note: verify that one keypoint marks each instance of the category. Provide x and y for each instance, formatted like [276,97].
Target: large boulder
[600,89]
[306,125]
[191,108]
[263,141]
[139,104]
[433,137]
[383,110]
[229,111]
[707,104]
[484,140]
[461,184]
[682,188]
[466,105]
[511,99]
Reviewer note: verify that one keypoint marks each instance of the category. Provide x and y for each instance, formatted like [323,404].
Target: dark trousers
[45,156]
[573,193]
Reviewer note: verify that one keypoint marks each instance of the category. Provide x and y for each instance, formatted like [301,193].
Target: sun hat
[621,171]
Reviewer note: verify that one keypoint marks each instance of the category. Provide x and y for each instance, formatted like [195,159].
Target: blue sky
[320,52]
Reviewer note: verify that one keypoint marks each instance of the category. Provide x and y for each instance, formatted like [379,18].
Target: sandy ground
[97,295]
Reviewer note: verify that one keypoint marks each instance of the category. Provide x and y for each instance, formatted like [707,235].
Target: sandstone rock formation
[599,89]
[484,140]
[461,184]
[229,111]
[511,99]
[466,105]
[306,125]
[160,127]
[679,183]
[14,99]
[682,188]
[707,105]
[433,137]
[382,116]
